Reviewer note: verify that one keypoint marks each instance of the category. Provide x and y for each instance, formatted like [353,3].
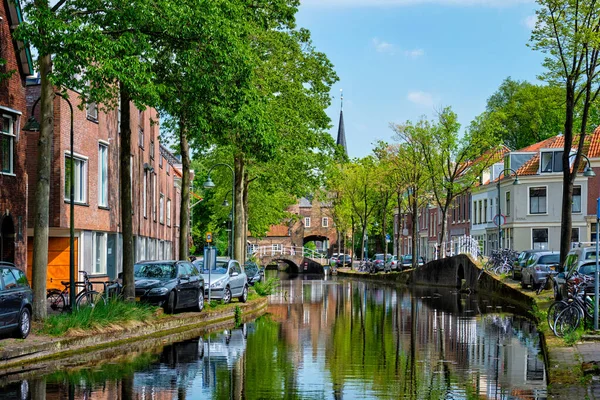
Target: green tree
[568,33]
[519,114]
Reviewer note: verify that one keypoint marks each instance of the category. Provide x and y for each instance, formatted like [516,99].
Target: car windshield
[378,256]
[590,255]
[251,269]
[219,268]
[587,269]
[549,259]
[158,271]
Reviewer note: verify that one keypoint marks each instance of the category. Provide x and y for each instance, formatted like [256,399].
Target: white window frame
[529,200]
[102,174]
[168,212]
[307,222]
[325,222]
[154,191]
[276,248]
[161,209]
[81,179]
[10,134]
[578,235]
[99,258]
[507,203]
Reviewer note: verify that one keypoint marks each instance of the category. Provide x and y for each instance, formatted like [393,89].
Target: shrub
[267,287]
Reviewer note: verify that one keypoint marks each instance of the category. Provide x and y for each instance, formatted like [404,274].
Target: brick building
[16,67]
[156,195]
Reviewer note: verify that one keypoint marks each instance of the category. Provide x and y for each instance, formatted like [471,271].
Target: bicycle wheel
[567,321]
[90,298]
[553,311]
[55,302]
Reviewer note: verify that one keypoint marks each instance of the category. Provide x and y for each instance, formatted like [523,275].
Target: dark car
[16,298]
[254,272]
[379,262]
[169,284]
[521,262]
[344,260]
[563,280]
[408,259]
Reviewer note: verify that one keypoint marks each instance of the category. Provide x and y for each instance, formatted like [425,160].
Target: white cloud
[530,21]
[416,53]
[400,3]
[383,47]
[421,98]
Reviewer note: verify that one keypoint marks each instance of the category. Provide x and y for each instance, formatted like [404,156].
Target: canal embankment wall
[43,352]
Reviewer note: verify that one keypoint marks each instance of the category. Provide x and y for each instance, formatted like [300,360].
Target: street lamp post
[499,216]
[209,184]
[34,126]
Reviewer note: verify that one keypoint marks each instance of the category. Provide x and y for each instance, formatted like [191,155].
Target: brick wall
[13,187]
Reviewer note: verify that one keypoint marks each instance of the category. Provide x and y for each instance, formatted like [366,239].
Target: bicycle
[580,307]
[56,300]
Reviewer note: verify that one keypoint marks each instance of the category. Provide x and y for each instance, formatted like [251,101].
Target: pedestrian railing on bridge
[460,245]
[291,251]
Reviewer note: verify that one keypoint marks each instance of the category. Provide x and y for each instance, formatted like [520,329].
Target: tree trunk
[126,203]
[184,222]
[239,247]
[399,227]
[362,241]
[245,231]
[353,245]
[567,195]
[42,192]
[443,230]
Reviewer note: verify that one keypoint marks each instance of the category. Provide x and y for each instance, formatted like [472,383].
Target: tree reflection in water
[336,339]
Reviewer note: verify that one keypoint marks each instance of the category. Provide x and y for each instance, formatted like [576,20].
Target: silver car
[227,279]
[539,266]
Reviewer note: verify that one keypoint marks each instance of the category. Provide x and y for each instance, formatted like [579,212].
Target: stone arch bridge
[293,258]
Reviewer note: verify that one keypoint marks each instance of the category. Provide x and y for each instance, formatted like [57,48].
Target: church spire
[341,138]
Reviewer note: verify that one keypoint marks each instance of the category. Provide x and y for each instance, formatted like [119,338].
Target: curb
[20,353]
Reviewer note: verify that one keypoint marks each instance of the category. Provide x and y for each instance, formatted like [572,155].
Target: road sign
[387,237]
[208,237]
[499,219]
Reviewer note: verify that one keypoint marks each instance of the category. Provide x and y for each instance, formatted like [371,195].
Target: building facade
[156,196]
[15,66]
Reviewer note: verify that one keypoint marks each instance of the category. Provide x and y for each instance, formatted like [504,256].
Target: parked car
[521,262]
[562,280]
[578,256]
[16,299]
[378,262]
[334,257]
[254,272]
[538,268]
[227,279]
[344,259]
[169,284]
[392,263]
[408,259]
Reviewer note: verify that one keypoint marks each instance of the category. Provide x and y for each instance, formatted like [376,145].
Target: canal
[328,339]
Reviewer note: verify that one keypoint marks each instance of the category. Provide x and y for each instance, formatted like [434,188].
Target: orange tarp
[58,261]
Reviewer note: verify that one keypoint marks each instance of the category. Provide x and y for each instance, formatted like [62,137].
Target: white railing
[461,245]
[294,251]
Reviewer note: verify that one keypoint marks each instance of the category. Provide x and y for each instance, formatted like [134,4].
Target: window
[485,211]
[9,279]
[141,129]
[168,212]
[92,111]
[277,247]
[161,209]
[154,197]
[551,161]
[160,160]
[325,222]
[479,219]
[539,239]
[7,144]
[152,149]
[99,267]
[574,235]
[80,181]
[144,192]
[576,199]
[507,212]
[102,175]
[474,213]
[168,168]
[307,222]
[537,200]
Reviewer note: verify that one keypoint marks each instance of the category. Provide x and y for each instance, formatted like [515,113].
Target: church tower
[341,137]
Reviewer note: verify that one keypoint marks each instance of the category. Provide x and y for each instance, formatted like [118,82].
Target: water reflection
[334,339]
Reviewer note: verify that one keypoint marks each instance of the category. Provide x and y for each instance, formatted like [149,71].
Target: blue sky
[400,59]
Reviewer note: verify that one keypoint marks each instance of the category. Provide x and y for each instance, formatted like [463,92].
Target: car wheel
[200,305]
[170,304]
[244,297]
[24,326]
[227,295]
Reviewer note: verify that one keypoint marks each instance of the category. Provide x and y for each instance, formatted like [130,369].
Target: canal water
[328,339]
